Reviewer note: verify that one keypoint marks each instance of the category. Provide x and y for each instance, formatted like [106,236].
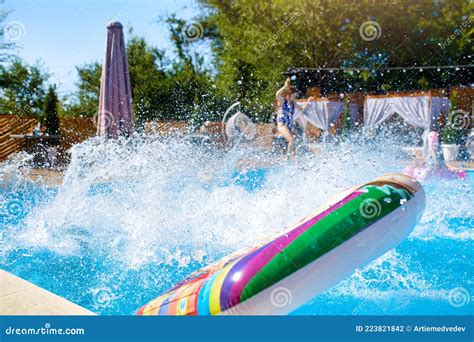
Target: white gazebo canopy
[323,112]
[418,109]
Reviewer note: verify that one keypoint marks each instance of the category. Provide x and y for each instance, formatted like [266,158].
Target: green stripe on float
[326,234]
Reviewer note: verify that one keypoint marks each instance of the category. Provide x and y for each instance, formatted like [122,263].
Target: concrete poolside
[20,297]
[456,165]
[51,178]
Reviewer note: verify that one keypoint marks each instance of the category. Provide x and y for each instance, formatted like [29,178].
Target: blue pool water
[113,244]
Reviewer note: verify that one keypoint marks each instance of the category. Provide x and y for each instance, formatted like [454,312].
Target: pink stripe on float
[249,268]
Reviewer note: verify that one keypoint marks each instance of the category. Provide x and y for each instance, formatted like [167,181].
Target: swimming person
[288,111]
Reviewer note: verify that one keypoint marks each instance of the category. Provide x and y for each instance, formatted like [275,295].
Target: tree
[5,45]
[346,120]
[452,133]
[22,89]
[86,102]
[145,78]
[51,115]
[178,90]
[253,42]
[150,89]
[196,96]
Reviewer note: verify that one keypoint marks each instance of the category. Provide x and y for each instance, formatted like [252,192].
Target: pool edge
[20,297]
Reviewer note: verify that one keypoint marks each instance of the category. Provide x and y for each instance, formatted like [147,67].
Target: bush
[451,133]
[51,114]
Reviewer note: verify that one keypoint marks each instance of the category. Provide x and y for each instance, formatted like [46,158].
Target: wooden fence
[12,124]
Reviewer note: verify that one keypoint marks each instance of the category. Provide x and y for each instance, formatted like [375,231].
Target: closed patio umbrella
[115,117]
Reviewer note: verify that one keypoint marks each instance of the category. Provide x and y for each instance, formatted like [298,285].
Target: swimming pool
[116,235]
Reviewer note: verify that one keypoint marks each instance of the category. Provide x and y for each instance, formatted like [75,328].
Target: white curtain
[419,111]
[376,111]
[414,109]
[439,106]
[323,113]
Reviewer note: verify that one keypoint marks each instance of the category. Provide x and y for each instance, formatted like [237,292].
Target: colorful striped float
[286,271]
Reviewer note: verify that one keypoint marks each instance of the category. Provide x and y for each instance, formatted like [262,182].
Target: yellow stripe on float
[215,295]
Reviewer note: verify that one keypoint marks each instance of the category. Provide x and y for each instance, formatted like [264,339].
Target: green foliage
[22,89]
[451,133]
[255,41]
[4,46]
[87,95]
[51,112]
[178,90]
[149,89]
[252,43]
[346,124]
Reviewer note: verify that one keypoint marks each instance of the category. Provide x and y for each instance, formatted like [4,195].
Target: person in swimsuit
[288,112]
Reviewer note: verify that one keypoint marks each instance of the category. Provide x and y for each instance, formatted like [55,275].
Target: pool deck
[45,177]
[457,165]
[50,178]
[20,297]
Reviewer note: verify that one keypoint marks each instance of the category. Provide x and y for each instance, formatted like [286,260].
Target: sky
[62,34]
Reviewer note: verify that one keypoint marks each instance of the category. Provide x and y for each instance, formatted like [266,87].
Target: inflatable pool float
[420,173]
[305,259]
[420,170]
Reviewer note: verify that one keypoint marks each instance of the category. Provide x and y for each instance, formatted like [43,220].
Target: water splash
[141,214]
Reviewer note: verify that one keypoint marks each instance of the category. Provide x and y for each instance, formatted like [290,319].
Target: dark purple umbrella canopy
[115,116]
